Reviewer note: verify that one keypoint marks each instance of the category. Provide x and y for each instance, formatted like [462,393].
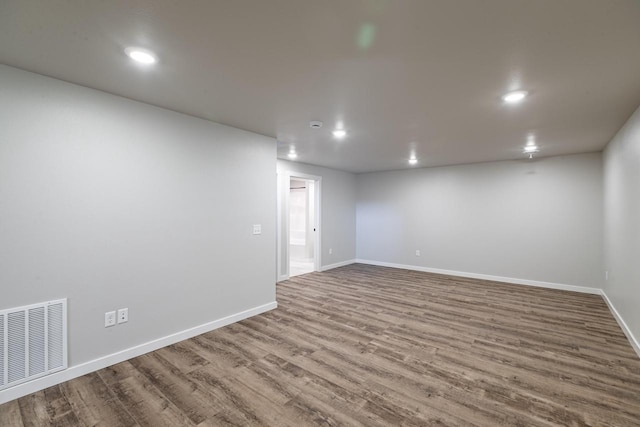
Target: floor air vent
[33,342]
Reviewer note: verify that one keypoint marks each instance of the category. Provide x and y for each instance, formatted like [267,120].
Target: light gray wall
[338,214]
[113,203]
[622,222]
[535,220]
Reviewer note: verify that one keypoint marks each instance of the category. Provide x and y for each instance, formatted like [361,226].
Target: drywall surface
[538,220]
[338,211]
[114,203]
[622,222]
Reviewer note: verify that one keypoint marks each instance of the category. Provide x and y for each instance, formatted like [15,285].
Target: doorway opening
[299,228]
[302,226]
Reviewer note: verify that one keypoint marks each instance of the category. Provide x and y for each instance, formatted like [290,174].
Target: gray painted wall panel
[622,222]
[535,220]
[114,203]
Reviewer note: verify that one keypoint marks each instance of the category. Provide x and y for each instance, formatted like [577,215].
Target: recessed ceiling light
[339,133]
[292,154]
[141,55]
[515,96]
[315,124]
[530,150]
[413,160]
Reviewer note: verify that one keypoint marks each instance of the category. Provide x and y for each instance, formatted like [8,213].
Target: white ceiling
[423,75]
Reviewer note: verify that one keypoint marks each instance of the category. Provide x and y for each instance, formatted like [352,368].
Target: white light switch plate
[257,228]
[109,318]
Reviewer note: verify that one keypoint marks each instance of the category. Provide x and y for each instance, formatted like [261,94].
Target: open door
[298,250]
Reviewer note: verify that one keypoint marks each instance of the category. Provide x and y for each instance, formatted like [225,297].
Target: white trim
[283,278]
[337,264]
[279,243]
[317,215]
[574,288]
[120,356]
[635,343]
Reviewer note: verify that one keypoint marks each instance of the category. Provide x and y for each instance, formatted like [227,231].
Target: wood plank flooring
[373,346]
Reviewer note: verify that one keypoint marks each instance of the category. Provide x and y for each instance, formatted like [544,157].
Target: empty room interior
[336,213]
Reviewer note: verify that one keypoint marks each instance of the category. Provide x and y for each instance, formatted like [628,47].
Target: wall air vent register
[33,342]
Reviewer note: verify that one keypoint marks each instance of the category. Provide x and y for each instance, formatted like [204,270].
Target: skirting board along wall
[337,264]
[120,356]
[323,268]
[635,343]
[583,289]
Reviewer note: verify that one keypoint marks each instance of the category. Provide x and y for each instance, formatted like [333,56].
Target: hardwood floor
[373,346]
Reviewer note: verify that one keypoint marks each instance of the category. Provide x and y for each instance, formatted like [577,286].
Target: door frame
[282,250]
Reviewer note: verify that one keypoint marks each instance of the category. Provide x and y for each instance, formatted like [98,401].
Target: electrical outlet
[330,251]
[257,228]
[123,315]
[417,252]
[109,319]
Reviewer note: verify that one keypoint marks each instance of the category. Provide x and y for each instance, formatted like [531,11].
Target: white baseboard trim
[635,343]
[120,356]
[337,264]
[284,277]
[574,288]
